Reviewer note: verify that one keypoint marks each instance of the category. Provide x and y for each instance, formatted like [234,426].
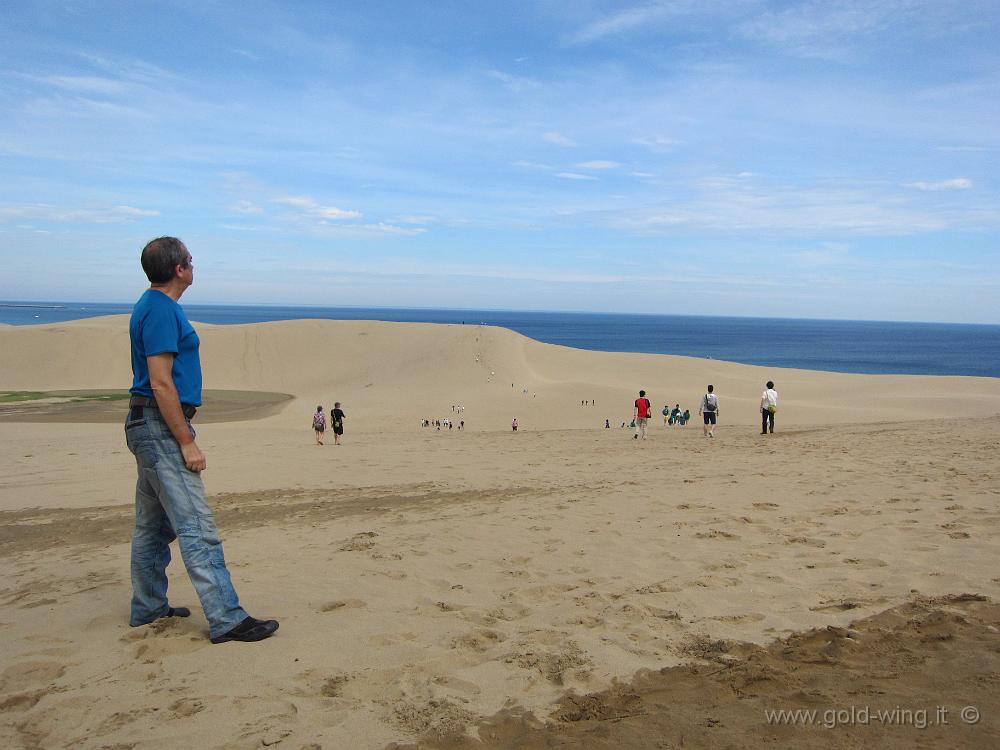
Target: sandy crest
[427,579]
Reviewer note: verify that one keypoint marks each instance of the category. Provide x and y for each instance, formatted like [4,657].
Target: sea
[859,346]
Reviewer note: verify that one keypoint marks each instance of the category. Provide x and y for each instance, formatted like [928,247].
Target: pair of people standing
[709,409]
[319,423]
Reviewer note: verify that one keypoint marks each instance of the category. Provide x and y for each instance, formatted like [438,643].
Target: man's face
[186,272]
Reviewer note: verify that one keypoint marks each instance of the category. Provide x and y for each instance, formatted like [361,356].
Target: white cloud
[575,176]
[656,142]
[632,18]
[513,83]
[84,84]
[412,219]
[312,208]
[393,229]
[730,205]
[46,212]
[530,165]
[598,164]
[958,183]
[830,30]
[246,207]
[558,139]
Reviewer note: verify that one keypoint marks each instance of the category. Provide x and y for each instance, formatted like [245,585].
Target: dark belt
[186,409]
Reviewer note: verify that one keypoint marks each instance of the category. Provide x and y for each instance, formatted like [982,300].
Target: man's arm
[161,380]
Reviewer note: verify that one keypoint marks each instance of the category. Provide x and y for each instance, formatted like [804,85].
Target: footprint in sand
[28,674]
[508,613]
[549,591]
[119,719]
[479,641]
[805,540]
[333,687]
[661,614]
[715,534]
[738,619]
[660,587]
[552,665]
[866,562]
[359,542]
[844,605]
[39,603]
[716,582]
[185,707]
[341,604]
[587,621]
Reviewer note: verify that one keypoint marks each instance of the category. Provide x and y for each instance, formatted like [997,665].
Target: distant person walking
[640,413]
[768,407]
[319,424]
[169,493]
[513,425]
[709,409]
[337,418]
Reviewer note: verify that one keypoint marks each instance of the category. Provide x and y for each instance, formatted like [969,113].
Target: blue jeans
[170,504]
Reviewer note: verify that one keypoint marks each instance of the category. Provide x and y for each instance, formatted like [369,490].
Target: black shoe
[177,612]
[249,630]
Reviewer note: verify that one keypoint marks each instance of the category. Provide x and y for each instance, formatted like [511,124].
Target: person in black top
[337,418]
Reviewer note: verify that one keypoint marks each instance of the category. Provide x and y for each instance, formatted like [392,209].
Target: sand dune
[391,375]
[432,584]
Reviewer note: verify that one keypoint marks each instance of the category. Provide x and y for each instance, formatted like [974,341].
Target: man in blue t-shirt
[169,494]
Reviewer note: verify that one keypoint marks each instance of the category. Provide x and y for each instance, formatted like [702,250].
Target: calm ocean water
[832,345]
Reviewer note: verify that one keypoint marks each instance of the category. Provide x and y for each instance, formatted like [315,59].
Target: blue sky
[731,157]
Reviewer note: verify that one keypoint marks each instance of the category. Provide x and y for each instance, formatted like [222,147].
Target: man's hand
[194,459]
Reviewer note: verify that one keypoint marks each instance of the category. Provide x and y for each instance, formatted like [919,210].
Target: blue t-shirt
[159,326]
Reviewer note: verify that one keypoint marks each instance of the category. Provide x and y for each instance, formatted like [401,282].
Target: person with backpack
[709,409]
[768,407]
[640,413]
[319,424]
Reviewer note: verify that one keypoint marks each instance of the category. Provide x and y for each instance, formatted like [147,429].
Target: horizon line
[47,304]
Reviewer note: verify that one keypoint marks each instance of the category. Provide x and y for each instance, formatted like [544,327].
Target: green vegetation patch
[10,397]
[124,395]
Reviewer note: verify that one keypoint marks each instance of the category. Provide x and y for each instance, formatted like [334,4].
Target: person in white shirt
[709,409]
[768,406]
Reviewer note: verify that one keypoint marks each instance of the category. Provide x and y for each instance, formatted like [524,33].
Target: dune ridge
[394,374]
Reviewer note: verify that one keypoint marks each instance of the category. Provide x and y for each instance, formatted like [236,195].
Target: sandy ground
[565,585]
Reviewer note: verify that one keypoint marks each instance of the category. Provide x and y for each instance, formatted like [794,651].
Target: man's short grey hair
[161,256]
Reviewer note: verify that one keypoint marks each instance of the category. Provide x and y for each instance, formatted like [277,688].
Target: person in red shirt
[641,415]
